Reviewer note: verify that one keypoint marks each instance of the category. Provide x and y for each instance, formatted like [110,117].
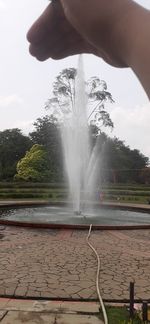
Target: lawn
[120,315]
[59,192]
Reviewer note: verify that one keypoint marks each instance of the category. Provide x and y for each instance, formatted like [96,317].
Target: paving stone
[85,293]
[32,293]
[3,302]
[28,317]
[10,291]
[72,289]
[50,306]
[2,314]
[77,319]
[21,291]
[20,304]
[2,291]
[85,284]
[72,278]
[66,268]
[67,307]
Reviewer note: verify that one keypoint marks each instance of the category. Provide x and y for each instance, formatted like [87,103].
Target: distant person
[101,197]
[116,30]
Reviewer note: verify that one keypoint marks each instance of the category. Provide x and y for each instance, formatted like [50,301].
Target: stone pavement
[58,263]
[38,312]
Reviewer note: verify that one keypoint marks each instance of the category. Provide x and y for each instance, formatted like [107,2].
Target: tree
[120,163]
[63,99]
[145,175]
[34,166]
[47,134]
[13,146]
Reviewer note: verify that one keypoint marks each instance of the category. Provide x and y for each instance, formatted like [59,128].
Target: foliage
[120,163]
[145,175]
[98,96]
[47,133]
[28,185]
[63,99]
[13,146]
[34,190]
[120,315]
[34,166]
[59,191]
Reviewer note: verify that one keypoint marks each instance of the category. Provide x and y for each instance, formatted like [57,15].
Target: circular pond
[64,215]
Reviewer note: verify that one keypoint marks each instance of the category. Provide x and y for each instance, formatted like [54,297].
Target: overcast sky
[25,84]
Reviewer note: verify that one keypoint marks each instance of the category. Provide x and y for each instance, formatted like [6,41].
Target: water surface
[64,215]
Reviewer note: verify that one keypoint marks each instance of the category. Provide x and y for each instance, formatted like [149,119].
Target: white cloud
[133,126]
[3,5]
[25,126]
[10,100]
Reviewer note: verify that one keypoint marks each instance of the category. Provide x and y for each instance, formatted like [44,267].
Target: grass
[59,192]
[127,199]
[33,191]
[120,315]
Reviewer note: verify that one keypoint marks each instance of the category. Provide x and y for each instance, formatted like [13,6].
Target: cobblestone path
[59,264]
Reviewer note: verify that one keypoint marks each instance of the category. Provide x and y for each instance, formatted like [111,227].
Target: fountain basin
[61,215]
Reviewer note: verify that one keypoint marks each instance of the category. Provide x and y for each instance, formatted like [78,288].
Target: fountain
[79,161]
[82,165]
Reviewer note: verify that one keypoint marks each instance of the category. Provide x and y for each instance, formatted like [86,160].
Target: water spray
[77,212]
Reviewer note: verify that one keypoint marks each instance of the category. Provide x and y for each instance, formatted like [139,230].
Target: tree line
[38,157]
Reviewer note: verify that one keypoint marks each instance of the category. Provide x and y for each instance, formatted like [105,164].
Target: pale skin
[117,31]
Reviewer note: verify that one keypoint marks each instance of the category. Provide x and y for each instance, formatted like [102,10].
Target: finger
[38,30]
[43,26]
[58,49]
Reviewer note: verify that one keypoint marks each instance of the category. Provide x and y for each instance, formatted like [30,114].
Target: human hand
[69,27]
[53,36]
[115,30]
